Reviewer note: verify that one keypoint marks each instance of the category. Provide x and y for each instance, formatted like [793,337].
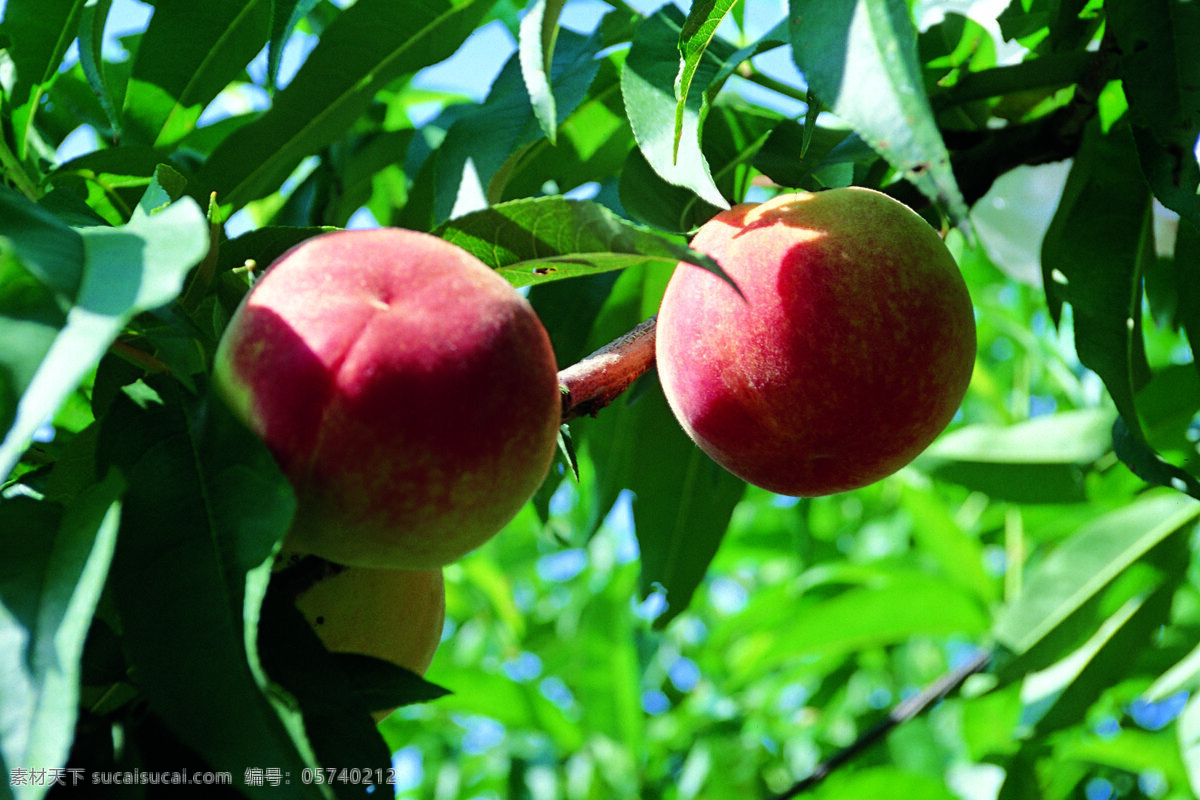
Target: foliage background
[653,628]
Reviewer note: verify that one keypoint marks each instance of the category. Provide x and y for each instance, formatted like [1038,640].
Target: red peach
[408,392]
[848,351]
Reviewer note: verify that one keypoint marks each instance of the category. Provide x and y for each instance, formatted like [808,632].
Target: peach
[408,392]
[847,352]
[393,614]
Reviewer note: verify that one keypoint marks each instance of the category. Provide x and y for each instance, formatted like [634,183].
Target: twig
[600,378]
[900,713]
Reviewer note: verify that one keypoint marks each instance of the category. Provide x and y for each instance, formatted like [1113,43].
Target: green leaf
[699,31]
[1062,695]
[286,16]
[682,507]
[1157,42]
[40,32]
[860,58]
[535,45]
[488,142]
[91,40]
[55,565]
[549,238]
[188,54]
[1042,460]
[1187,730]
[648,88]
[125,270]
[366,47]
[959,554]
[887,610]
[205,510]
[1093,256]
[1082,566]
[336,715]
[885,781]
[1187,283]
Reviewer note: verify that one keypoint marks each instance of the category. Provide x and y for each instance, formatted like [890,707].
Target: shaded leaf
[55,565]
[682,507]
[1161,78]
[1093,256]
[860,58]
[486,143]
[284,19]
[205,509]
[336,715]
[91,40]
[549,238]
[1061,696]
[40,31]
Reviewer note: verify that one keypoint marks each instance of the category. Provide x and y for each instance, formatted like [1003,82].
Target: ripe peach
[393,614]
[406,389]
[848,353]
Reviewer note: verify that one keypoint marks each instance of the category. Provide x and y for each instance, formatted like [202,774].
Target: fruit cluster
[411,395]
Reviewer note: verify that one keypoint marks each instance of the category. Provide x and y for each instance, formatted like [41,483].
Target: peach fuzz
[408,392]
[848,351]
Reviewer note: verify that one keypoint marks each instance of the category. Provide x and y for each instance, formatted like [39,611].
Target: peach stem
[600,378]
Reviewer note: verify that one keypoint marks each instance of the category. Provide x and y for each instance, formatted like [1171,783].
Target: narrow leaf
[284,19]
[549,238]
[40,31]
[55,565]
[860,58]
[1159,72]
[683,505]
[126,270]
[205,509]
[1086,563]
[699,30]
[187,55]
[91,59]
[535,45]
[1043,460]
[1093,256]
[367,46]
[648,88]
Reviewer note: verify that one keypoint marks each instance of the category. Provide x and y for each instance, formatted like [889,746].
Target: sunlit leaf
[186,56]
[539,29]
[648,87]
[1086,563]
[1044,459]
[860,58]
[367,46]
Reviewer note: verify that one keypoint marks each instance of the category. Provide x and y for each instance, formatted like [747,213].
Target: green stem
[775,85]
